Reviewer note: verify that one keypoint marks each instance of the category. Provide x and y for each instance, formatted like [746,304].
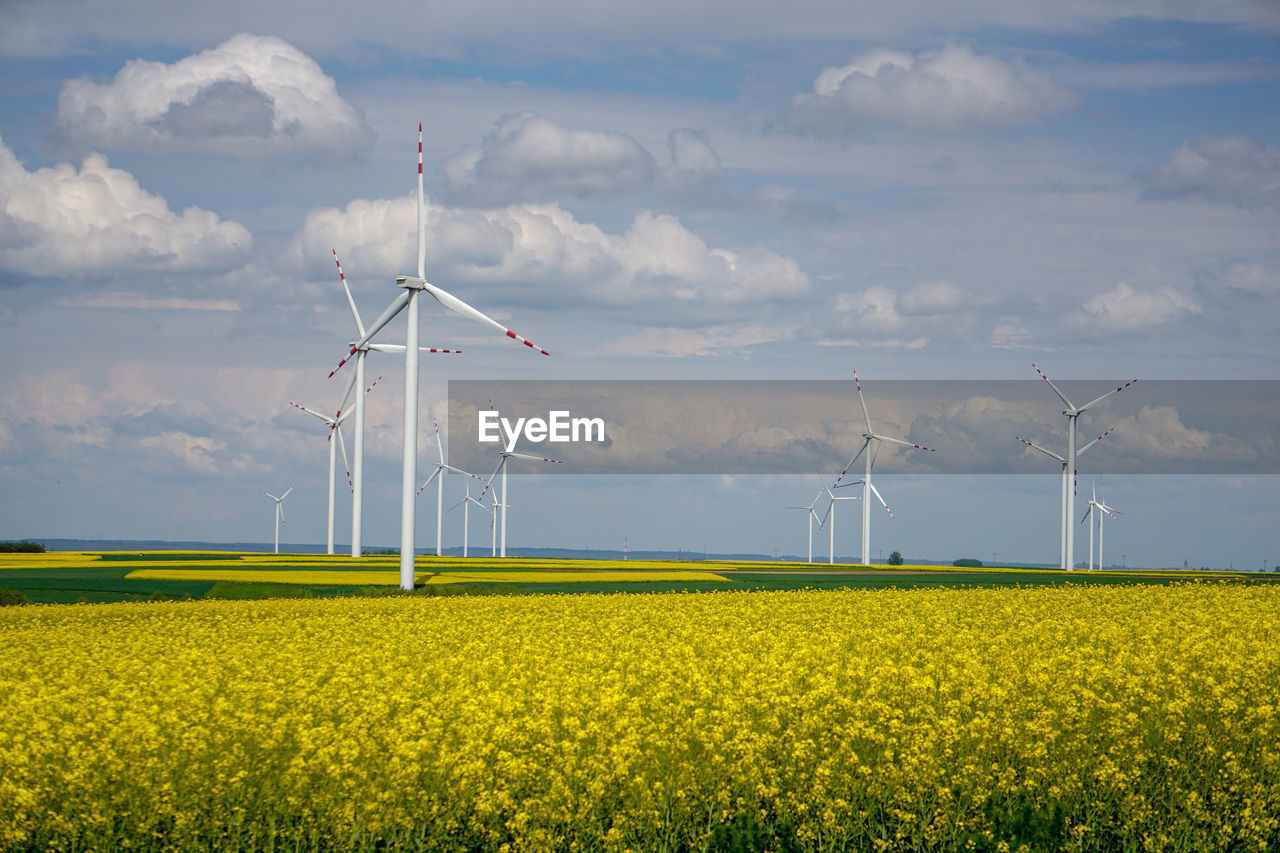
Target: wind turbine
[279,511]
[830,516]
[335,426]
[1102,511]
[1067,486]
[868,437]
[438,476]
[357,471]
[502,469]
[465,503]
[1073,413]
[408,301]
[811,517]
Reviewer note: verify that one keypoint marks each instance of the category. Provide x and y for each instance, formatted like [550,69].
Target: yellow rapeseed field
[392,578]
[1072,718]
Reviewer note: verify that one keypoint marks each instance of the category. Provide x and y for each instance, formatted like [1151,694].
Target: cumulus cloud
[1226,169]
[714,340]
[250,96]
[527,157]
[1240,279]
[98,220]
[1127,309]
[878,313]
[655,262]
[937,90]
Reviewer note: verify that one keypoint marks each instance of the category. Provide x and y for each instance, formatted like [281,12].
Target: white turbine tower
[1067,486]
[1102,512]
[829,517]
[335,426]
[811,517]
[502,469]
[357,470]
[279,511]
[408,301]
[868,437]
[438,476]
[1073,413]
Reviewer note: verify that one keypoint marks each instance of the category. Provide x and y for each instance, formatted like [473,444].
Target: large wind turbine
[1067,486]
[438,476]
[1102,512]
[408,301]
[502,469]
[335,426]
[1073,413]
[811,516]
[868,437]
[279,511]
[357,470]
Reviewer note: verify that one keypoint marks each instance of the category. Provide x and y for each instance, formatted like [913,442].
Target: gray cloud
[951,89]
[1236,170]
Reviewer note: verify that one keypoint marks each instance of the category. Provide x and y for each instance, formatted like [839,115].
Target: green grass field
[71,577]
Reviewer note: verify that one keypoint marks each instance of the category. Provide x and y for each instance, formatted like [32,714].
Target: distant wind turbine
[438,476]
[279,511]
[870,436]
[829,521]
[811,515]
[1102,511]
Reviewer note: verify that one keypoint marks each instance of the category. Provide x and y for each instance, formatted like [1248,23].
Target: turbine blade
[397,305]
[342,445]
[866,416]
[439,446]
[346,395]
[904,443]
[1061,396]
[865,442]
[1041,449]
[453,303]
[324,418]
[1094,402]
[1095,441]
[467,473]
[533,458]
[351,302]
[434,474]
[489,482]
[291,488]
[882,503]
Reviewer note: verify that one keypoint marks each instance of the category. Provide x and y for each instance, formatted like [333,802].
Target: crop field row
[1066,717]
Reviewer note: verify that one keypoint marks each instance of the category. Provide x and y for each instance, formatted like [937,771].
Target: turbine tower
[829,517]
[335,426]
[868,437]
[1073,413]
[407,301]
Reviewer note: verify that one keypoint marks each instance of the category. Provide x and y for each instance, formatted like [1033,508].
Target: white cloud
[938,90]
[136,301]
[527,157]
[250,96]
[656,262]
[877,312]
[98,220]
[1240,279]
[715,340]
[1127,309]
[1230,169]
[1010,334]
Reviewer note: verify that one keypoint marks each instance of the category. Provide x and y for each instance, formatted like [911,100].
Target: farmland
[1060,717]
[105,576]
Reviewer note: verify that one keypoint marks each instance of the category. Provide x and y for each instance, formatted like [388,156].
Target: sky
[912,190]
